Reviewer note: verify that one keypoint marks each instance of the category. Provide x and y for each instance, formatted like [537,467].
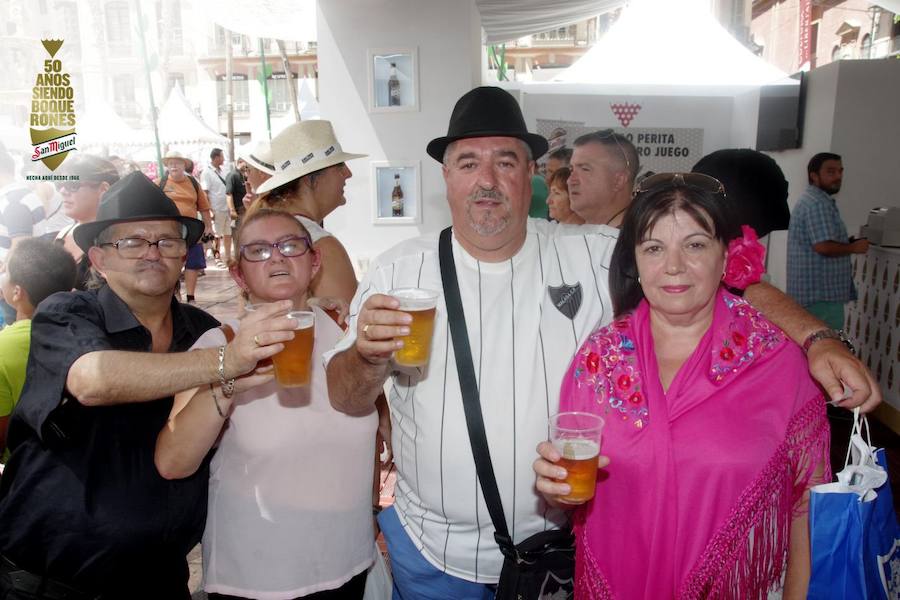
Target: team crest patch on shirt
[566,298]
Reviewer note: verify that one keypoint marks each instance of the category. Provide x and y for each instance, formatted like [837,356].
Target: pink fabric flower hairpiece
[746,260]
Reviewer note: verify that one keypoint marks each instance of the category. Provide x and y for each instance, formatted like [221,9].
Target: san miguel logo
[52,111]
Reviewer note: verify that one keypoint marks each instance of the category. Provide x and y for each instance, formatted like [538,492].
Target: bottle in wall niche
[397,197]
[393,87]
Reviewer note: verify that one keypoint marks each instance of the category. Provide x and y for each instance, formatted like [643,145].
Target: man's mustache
[483,194]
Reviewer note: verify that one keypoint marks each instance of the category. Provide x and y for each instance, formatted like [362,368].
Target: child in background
[35,269]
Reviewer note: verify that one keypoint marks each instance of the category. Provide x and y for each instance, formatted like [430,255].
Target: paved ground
[219,295]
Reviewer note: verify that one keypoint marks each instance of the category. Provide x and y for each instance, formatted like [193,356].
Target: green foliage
[261,77]
[497,60]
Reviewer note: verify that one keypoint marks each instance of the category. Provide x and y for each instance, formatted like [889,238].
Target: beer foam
[304,319]
[577,449]
[415,298]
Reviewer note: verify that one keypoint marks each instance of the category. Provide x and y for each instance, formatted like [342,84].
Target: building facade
[792,33]
[102,54]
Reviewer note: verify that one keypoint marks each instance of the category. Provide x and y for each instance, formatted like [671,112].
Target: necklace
[613,218]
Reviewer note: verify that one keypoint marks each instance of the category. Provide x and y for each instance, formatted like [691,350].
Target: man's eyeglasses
[136,247]
[694,180]
[75,185]
[288,248]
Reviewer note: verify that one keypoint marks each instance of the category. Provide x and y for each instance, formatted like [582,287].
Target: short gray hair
[529,155]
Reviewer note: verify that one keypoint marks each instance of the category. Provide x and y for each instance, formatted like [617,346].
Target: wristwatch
[828,334]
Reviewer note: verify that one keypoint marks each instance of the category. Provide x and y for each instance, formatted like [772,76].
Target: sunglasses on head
[694,180]
[609,133]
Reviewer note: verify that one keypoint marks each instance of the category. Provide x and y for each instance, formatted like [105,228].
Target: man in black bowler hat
[83,511]
[531,292]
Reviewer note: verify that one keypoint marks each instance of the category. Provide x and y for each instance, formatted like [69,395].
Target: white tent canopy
[502,20]
[293,20]
[671,43]
[100,126]
[309,106]
[178,125]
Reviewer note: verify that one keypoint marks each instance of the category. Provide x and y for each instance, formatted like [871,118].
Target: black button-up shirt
[80,498]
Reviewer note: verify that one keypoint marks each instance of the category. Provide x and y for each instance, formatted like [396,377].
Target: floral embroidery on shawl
[739,342]
[607,364]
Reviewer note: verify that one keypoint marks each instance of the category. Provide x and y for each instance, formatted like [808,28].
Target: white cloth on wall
[503,20]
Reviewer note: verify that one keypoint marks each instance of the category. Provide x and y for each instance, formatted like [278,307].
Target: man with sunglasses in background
[84,514]
[88,178]
[604,166]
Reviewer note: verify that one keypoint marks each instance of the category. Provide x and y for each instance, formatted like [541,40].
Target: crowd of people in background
[134,424]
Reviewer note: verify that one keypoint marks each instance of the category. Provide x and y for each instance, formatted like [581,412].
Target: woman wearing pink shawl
[714,428]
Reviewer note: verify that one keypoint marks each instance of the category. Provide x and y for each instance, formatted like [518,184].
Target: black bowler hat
[134,198]
[487,112]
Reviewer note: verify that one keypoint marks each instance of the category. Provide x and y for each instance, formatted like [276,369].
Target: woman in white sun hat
[310,171]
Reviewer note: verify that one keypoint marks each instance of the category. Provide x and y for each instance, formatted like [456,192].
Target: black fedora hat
[134,198]
[487,112]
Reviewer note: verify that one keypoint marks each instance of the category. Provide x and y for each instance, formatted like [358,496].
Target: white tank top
[290,490]
[316,232]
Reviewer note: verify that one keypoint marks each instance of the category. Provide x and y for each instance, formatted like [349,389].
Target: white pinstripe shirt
[521,346]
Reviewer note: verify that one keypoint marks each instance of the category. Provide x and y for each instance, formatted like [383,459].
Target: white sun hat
[258,155]
[303,148]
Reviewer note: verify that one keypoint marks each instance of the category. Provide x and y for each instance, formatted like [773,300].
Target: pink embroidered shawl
[704,479]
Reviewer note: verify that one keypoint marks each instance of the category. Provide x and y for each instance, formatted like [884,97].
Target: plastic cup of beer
[293,365]
[421,304]
[576,436]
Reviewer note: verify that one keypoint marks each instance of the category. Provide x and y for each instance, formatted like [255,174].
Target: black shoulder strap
[195,184]
[469,386]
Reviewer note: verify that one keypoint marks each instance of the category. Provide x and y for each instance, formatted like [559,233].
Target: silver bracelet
[227,384]
[216,401]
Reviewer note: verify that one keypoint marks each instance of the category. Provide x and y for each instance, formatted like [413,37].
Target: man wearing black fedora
[439,533]
[83,511]
[531,291]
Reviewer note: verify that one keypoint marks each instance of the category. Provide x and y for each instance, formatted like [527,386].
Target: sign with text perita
[660,149]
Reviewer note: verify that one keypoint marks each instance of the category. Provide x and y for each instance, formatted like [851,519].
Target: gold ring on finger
[365,330]
[256,340]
